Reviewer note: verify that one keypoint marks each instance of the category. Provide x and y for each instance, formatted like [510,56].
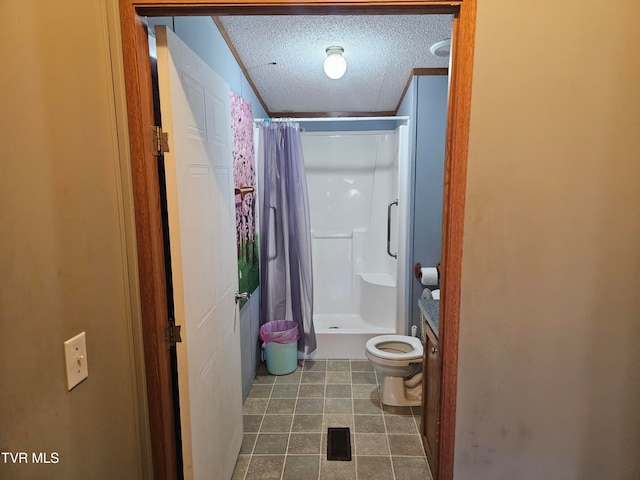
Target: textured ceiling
[381,51]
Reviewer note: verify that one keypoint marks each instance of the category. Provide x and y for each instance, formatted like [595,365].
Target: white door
[200,199]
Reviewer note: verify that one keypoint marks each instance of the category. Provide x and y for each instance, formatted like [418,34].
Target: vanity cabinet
[431,407]
[432,375]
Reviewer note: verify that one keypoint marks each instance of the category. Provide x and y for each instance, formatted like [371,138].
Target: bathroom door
[200,202]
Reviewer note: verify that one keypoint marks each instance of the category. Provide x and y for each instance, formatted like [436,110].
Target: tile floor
[286,419]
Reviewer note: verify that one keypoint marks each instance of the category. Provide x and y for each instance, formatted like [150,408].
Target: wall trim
[234,52]
[128,236]
[416,72]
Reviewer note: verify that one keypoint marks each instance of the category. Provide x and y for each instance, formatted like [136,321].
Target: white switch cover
[75,353]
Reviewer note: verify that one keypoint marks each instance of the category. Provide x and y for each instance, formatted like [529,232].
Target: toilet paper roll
[429,276]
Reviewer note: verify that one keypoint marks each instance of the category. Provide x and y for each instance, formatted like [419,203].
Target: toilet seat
[413,344]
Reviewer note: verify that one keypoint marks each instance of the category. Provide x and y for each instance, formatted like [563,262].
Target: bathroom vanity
[430,317]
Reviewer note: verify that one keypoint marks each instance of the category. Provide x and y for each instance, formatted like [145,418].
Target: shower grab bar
[330,236]
[394,255]
[275,231]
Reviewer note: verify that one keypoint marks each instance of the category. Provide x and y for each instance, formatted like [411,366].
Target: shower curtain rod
[325,119]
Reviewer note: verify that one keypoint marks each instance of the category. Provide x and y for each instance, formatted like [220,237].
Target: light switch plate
[75,353]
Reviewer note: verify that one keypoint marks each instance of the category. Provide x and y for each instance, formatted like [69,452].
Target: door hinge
[173,333]
[160,141]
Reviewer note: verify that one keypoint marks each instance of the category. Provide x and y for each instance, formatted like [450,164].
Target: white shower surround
[358,288]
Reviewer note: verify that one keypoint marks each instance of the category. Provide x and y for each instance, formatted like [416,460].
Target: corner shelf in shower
[380,279]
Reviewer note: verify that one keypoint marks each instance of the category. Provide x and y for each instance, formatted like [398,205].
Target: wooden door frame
[147,196]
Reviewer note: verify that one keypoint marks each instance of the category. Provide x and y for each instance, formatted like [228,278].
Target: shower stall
[358,183]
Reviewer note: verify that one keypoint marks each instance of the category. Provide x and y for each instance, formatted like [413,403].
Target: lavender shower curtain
[286,279]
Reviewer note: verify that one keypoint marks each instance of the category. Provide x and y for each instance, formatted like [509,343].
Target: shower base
[344,336]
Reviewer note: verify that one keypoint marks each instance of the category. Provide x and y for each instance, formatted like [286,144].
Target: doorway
[147,199]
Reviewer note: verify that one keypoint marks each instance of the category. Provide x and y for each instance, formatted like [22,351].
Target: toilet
[398,358]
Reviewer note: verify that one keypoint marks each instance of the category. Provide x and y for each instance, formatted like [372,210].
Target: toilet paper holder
[417,268]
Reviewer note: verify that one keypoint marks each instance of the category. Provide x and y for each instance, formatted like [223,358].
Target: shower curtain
[285,231]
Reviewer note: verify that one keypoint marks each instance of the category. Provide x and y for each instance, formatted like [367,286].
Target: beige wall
[549,367]
[549,360]
[63,261]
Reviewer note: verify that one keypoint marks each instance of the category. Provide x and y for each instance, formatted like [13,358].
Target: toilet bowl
[398,358]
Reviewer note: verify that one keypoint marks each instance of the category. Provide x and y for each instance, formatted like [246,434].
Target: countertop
[430,308]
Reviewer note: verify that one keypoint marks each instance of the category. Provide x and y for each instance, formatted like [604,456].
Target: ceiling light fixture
[335,65]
